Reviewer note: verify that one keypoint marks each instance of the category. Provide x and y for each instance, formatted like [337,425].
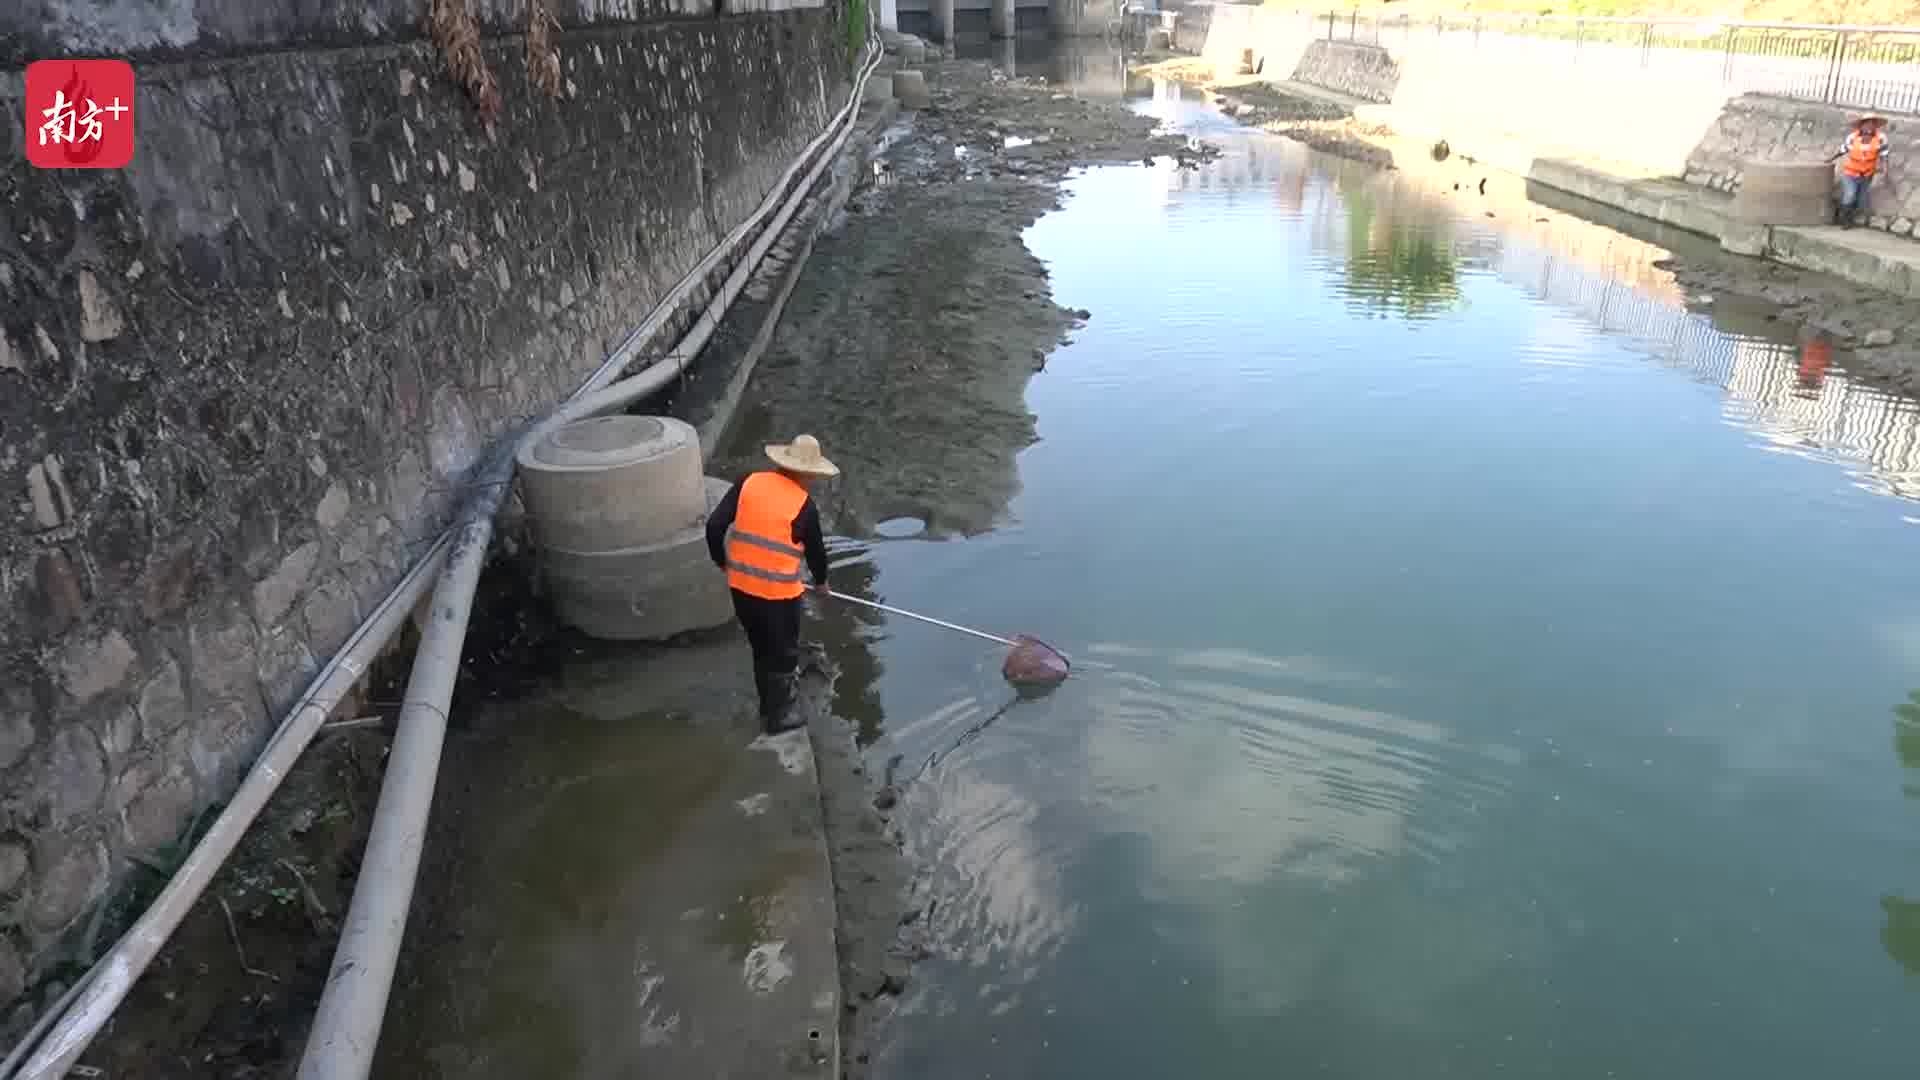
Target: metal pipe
[778,194]
[923,618]
[347,1024]
[32,1037]
[59,1044]
[108,982]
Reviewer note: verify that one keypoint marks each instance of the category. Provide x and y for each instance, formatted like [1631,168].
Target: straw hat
[1867,116]
[802,455]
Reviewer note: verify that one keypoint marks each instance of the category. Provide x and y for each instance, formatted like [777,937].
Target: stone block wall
[1367,72]
[242,380]
[1759,127]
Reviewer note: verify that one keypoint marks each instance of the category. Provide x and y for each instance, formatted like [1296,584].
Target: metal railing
[1868,67]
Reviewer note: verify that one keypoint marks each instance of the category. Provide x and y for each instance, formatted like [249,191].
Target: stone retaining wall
[1367,72]
[245,377]
[1765,128]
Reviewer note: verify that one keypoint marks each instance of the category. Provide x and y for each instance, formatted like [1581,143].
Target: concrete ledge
[1670,202]
[1865,256]
[625,881]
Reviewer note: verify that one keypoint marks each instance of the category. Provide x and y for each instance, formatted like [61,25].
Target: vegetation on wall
[856,28]
[543,58]
[454,30]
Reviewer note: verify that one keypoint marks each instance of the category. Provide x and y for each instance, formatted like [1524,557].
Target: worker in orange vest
[1864,151]
[759,534]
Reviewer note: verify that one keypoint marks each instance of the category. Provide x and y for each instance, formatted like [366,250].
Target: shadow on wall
[1761,127]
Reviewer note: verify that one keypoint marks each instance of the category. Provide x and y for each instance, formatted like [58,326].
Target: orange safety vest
[1863,155]
[762,559]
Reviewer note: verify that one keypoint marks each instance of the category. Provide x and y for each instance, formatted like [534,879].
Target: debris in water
[1032,662]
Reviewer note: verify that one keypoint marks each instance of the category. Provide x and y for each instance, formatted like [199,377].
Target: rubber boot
[777,713]
[764,695]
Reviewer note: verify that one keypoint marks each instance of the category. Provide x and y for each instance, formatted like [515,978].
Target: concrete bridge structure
[941,20]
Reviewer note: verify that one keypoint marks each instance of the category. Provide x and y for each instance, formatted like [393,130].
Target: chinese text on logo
[79,114]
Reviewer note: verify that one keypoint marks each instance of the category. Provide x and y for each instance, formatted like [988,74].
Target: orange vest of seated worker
[762,559]
[1863,151]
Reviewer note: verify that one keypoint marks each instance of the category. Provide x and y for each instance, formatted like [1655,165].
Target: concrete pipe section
[648,592]
[1784,193]
[612,482]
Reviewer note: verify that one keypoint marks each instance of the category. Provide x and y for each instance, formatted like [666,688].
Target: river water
[1489,661]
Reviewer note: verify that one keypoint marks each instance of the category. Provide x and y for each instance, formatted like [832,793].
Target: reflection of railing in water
[1772,388]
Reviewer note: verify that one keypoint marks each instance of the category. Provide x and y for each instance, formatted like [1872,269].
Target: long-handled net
[1030,661]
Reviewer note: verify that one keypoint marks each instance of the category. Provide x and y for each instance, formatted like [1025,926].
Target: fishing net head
[1034,664]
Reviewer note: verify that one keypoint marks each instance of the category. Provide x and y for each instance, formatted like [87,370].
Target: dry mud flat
[909,339]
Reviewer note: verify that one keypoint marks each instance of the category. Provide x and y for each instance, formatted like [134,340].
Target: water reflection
[1086,68]
[1406,267]
[1397,808]
[1793,393]
[1299,782]
[1901,934]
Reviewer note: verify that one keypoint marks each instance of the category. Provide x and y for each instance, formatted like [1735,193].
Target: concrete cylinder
[941,14]
[612,482]
[648,592]
[910,88]
[913,51]
[878,89]
[1000,18]
[1784,193]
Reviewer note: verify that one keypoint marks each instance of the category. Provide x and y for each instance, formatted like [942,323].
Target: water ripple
[1295,781]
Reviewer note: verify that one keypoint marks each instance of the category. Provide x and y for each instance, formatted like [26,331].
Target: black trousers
[773,630]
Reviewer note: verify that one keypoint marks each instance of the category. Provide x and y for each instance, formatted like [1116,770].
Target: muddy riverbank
[908,342]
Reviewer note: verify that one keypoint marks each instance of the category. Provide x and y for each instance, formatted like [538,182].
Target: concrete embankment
[1669,144]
